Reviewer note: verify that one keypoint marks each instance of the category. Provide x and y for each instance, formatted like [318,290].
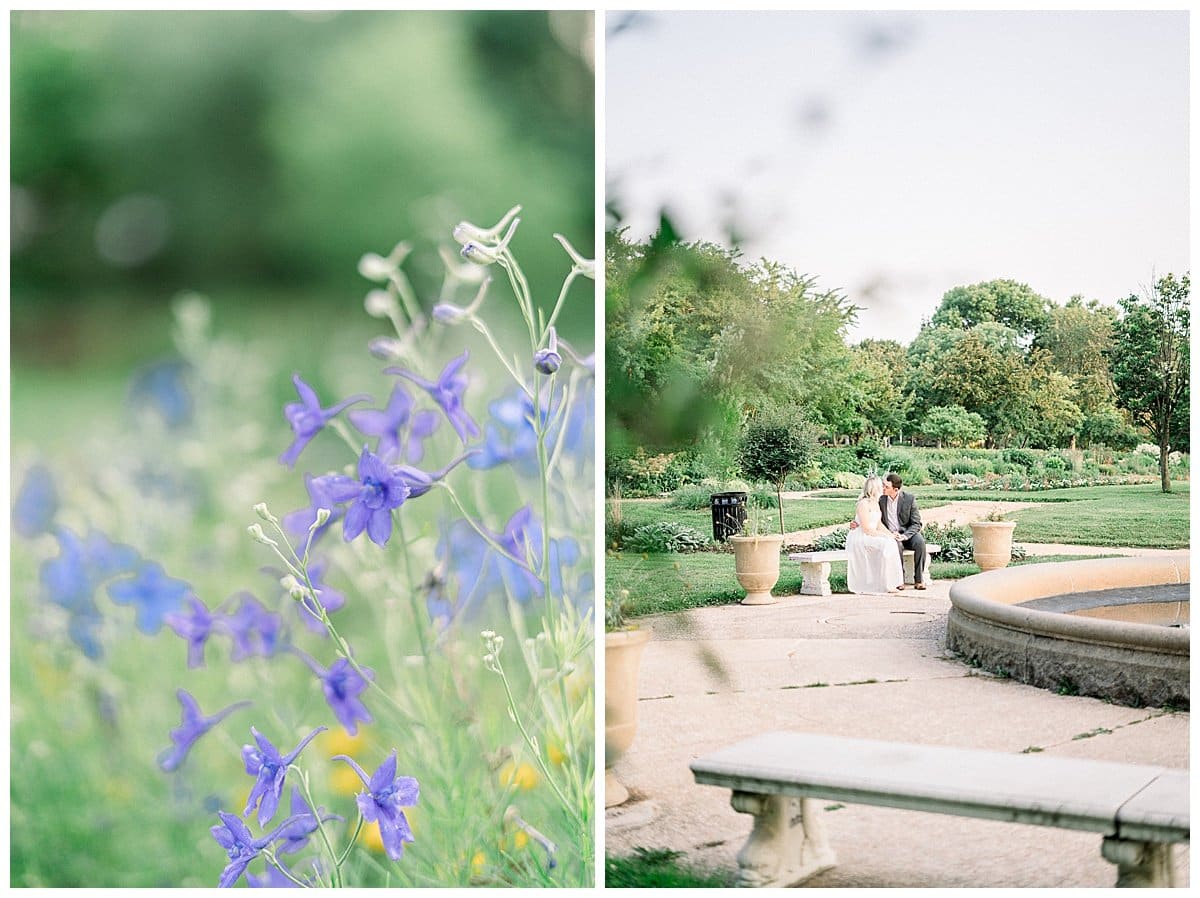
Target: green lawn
[660,869]
[664,583]
[1140,515]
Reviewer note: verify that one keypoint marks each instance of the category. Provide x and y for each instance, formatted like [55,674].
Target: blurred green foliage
[221,151]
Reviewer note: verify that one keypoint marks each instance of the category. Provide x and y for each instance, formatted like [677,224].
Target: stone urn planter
[622,660]
[991,543]
[756,560]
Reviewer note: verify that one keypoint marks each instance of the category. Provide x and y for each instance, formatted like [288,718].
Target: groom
[900,515]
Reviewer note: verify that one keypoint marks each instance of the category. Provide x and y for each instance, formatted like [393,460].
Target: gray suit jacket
[907,513]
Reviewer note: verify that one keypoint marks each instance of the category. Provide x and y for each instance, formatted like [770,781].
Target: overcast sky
[895,155]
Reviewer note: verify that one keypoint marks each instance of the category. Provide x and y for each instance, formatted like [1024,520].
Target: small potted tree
[773,447]
[991,541]
[623,645]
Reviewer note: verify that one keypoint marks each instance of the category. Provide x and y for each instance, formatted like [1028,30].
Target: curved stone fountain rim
[994,596]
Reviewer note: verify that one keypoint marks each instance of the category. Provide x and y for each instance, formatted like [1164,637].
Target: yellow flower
[370,837]
[339,742]
[555,753]
[478,862]
[523,776]
[343,780]
[520,839]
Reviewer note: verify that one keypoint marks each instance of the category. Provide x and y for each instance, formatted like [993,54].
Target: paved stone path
[871,667]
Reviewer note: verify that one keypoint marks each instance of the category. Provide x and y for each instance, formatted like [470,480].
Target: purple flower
[295,837]
[82,627]
[195,627]
[342,685]
[386,794]
[509,436]
[269,769]
[476,570]
[447,392]
[307,418]
[378,490]
[162,387]
[240,845]
[152,592]
[298,522]
[547,360]
[37,503]
[400,431]
[255,631]
[328,597]
[193,726]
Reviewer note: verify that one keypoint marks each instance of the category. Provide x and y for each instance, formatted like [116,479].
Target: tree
[776,445]
[953,424]
[1003,301]
[1150,362]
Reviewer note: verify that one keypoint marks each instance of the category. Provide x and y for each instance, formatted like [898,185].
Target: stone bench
[1140,811]
[814,568]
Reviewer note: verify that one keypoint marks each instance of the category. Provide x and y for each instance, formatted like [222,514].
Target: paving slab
[715,676]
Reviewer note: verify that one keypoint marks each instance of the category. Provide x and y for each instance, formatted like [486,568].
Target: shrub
[830,541]
[907,465]
[831,459]
[868,450]
[694,496]
[939,472]
[665,536]
[1025,458]
[1054,464]
[849,481]
[980,467]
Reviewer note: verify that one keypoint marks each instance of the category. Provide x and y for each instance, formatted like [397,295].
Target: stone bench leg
[786,846]
[910,570]
[816,579]
[1144,865]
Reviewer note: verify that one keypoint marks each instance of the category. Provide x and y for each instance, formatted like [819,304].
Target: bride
[873,564]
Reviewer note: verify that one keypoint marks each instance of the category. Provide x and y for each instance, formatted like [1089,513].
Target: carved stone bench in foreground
[814,567]
[1140,811]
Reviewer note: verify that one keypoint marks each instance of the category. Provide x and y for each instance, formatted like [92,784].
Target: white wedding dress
[873,564]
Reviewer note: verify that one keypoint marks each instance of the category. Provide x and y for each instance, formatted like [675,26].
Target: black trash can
[728,514]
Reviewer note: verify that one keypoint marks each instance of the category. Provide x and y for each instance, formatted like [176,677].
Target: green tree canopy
[1151,364]
[953,424]
[1003,301]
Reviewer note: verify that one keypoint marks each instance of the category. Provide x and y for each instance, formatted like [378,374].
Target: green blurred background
[255,156]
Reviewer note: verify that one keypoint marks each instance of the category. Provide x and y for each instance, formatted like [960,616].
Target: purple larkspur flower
[378,490]
[386,794]
[195,626]
[193,726]
[240,845]
[254,630]
[475,570]
[163,388]
[294,837]
[269,769]
[153,594]
[547,360]
[37,503]
[447,392]
[509,437]
[342,685]
[307,418]
[83,628]
[298,522]
[401,433]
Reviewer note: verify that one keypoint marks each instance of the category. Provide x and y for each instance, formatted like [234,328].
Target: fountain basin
[1099,627]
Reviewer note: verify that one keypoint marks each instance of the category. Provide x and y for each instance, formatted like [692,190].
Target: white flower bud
[485,635]
[380,304]
[256,531]
[265,513]
[465,232]
[323,515]
[375,267]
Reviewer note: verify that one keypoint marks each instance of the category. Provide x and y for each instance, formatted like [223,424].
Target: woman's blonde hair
[873,488]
